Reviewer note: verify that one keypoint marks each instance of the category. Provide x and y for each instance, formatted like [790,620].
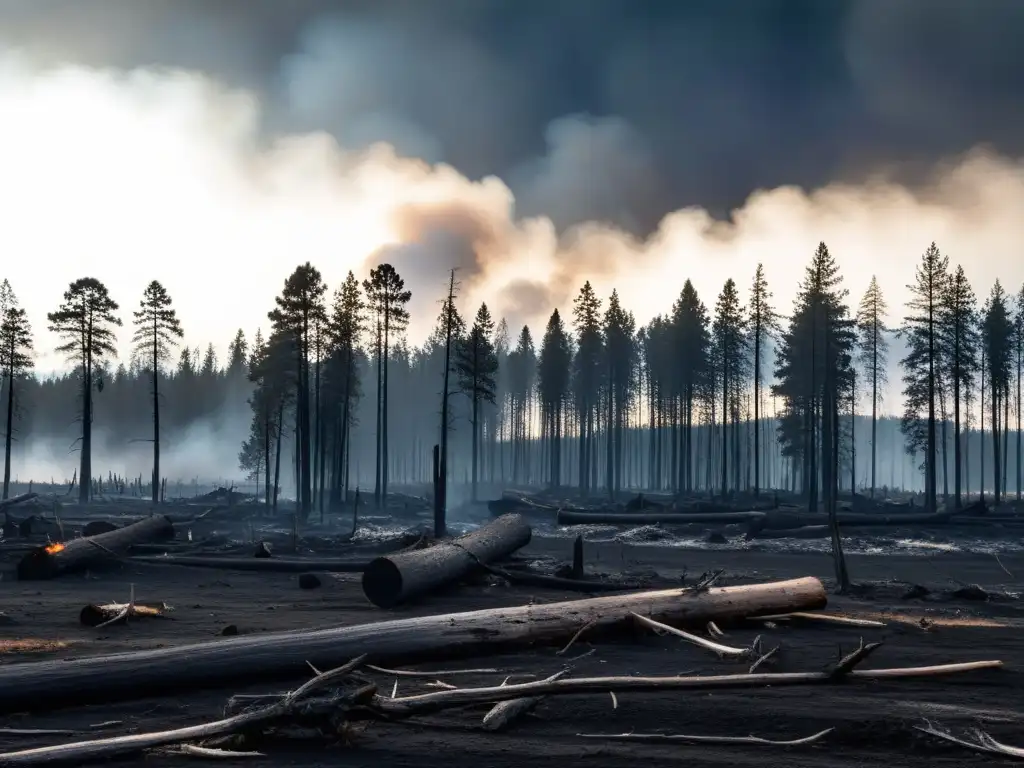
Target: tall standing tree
[86,321]
[997,338]
[522,365]
[587,376]
[1018,338]
[299,307]
[347,327]
[620,355]
[15,363]
[959,337]
[813,373]
[388,298]
[874,356]
[692,337]
[729,334]
[157,331]
[477,366]
[763,325]
[921,365]
[553,380]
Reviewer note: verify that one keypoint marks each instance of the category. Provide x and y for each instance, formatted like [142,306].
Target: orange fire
[53,549]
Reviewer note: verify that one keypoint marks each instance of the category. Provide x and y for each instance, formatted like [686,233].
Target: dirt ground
[872,720]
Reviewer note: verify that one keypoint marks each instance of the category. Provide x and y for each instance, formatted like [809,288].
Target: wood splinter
[722,650]
[504,713]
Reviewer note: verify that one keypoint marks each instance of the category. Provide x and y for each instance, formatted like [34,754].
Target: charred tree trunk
[55,559]
[68,682]
[399,578]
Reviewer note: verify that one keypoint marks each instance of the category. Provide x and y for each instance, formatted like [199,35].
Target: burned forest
[520,545]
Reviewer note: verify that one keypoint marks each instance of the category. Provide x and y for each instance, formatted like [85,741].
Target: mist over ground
[216,146]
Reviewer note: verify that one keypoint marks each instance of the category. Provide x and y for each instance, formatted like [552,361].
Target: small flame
[53,549]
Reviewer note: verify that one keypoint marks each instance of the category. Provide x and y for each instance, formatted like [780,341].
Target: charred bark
[67,682]
[54,559]
[402,577]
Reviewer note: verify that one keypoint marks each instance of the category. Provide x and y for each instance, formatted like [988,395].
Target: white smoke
[145,175]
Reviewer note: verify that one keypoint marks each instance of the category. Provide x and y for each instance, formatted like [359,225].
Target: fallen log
[259,564]
[393,579]
[67,682]
[62,557]
[19,499]
[566,517]
[791,520]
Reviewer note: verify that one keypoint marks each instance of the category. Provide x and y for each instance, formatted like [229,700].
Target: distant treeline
[717,398]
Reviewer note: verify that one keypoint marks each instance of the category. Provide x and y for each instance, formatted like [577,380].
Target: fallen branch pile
[335,698]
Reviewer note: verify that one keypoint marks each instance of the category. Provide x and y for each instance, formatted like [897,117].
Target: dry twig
[982,742]
[408,706]
[674,737]
[711,645]
[575,637]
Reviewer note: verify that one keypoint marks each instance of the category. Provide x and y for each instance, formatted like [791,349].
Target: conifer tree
[15,363]
[157,330]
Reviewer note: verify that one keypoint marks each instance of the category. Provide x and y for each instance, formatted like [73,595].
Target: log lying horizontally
[77,554]
[566,517]
[398,578]
[59,683]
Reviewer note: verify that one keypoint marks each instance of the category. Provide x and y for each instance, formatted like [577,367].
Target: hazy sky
[215,145]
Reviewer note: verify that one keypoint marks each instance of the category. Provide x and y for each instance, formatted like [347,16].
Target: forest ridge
[321,388]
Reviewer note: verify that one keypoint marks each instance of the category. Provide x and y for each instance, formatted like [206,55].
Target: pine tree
[729,334]
[763,325]
[86,322]
[620,355]
[298,308]
[959,340]
[388,298]
[874,356]
[1018,338]
[587,377]
[997,338]
[553,379]
[522,367]
[692,355]
[157,330]
[922,365]
[15,363]
[477,365]
[346,330]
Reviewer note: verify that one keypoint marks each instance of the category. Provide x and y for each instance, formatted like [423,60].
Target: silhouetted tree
[997,338]
[477,365]
[388,298]
[959,340]
[299,307]
[921,365]
[874,351]
[729,334]
[157,330]
[587,378]
[15,362]
[763,325]
[620,354]
[85,321]
[553,379]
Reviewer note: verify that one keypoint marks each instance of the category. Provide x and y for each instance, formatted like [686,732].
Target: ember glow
[53,549]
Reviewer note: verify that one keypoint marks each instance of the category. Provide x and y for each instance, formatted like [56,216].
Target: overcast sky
[215,144]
